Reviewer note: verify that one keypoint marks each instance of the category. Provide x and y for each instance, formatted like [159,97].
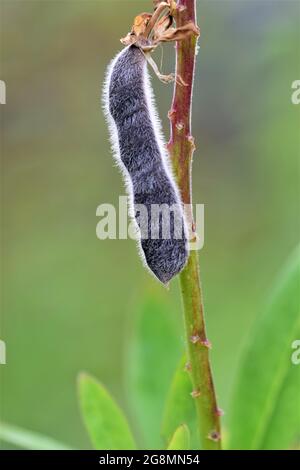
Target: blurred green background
[69,301]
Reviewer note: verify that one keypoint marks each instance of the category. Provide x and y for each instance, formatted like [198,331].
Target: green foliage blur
[70,302]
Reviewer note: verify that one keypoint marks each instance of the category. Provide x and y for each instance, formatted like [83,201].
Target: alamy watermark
[2,352]
[295,97]
[295,357]
[2,92]
[154,221]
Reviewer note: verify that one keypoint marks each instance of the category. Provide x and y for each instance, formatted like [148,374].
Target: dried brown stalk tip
[149,30]
[171,3]
[179,34]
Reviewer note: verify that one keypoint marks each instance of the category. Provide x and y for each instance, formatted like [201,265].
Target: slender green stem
[181,147]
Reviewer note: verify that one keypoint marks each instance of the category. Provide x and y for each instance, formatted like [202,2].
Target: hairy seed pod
[139,147]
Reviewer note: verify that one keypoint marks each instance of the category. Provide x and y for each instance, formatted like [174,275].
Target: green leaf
[180,407]
[28,440]
[284,427]
[104,420]
[265,411]
[180,439]
[154,351]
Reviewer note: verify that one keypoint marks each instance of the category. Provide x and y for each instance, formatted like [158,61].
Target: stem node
[214,436]
[195,393]
[206,343]
[195,339]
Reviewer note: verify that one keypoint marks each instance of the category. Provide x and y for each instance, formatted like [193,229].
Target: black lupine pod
[137,141]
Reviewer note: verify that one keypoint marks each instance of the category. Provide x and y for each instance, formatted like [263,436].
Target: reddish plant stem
[181,148]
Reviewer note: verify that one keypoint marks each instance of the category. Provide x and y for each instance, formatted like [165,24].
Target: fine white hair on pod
[138,147]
